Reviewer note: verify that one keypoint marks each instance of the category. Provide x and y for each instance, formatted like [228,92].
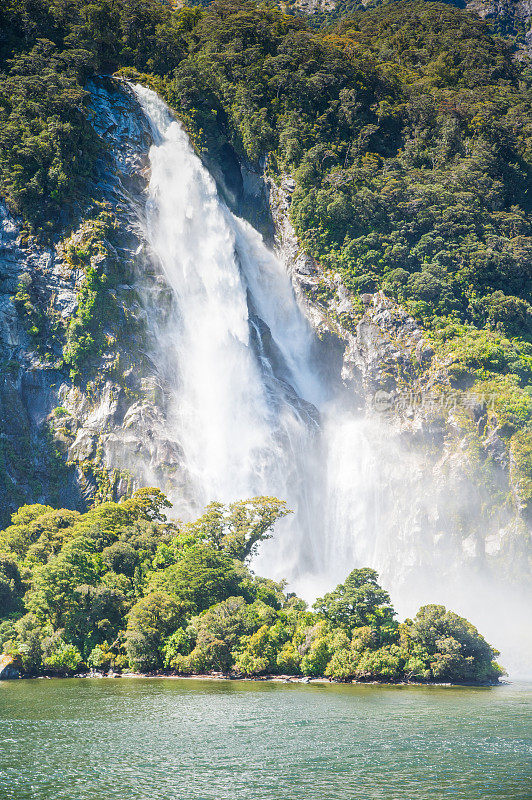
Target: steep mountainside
[507,18]
[389,159]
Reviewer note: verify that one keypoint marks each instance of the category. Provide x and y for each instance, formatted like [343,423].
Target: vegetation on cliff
[120,587]
[407,128]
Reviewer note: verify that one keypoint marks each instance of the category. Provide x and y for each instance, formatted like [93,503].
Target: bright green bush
[258,655]
[100,657]
[386,663]
[62,658]
[357,602]
[178,644]
[121,587]
[521,466]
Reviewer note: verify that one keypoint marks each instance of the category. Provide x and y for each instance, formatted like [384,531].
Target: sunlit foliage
[121,587]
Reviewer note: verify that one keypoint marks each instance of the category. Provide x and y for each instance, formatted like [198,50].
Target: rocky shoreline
[220,676]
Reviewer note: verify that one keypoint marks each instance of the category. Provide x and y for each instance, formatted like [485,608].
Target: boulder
[8,670]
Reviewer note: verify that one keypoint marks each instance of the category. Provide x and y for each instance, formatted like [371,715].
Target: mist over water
[254,415]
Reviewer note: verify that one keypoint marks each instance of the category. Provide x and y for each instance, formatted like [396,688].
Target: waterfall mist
[254,415]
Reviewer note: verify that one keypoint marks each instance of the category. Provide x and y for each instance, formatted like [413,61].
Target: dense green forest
[407,127]
[408,131]
[122,588]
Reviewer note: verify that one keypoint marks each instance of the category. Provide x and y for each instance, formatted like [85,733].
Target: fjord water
[254,415]
[141,739]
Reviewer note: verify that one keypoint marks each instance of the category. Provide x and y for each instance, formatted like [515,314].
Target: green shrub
[62,658]
[521,467]
[120,585]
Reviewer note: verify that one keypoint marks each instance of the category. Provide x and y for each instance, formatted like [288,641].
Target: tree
[455,650]
[259,654]
[152,620]
[10,585]
[343,665]
[28,642]
[40,530]
[238,528]
[96,615]
[315,660]
[386,663]
[108,522]
[148,503]
[122,558]
[202,577]
[226,621]
[60,657]
[180,643]
[357,602]
[53,596]
[288,659]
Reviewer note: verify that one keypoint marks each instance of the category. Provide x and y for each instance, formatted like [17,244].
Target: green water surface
[133,739]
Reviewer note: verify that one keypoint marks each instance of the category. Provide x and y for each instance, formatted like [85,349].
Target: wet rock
[8,668]
[496,448]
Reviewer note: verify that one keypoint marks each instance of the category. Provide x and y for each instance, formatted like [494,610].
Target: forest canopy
[122,588]
[406,127]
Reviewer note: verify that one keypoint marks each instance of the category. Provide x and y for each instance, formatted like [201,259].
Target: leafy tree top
[357,602]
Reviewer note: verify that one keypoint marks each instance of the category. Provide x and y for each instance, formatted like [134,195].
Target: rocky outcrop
[514,15]
[71,442]
[512,10]
[516,9]
[445,468]
[313,7]
[29,374]
[8,668]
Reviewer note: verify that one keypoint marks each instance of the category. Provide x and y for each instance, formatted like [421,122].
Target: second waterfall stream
[254,415]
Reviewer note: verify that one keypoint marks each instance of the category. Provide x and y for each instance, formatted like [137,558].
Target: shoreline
[284,679]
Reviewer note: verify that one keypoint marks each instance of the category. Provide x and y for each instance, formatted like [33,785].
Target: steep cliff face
[29,465]
[447,469]
[97,435]
[114,431]
[80,430]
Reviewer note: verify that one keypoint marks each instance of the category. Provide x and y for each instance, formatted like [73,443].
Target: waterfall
[238,351]
[253,416]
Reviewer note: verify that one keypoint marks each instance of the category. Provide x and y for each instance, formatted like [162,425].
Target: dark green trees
[152,620]
[453,648]
[122,588]
[201,577]
[357,602]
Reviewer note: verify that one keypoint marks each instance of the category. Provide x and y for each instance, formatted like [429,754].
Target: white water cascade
[253,416]
[238,351]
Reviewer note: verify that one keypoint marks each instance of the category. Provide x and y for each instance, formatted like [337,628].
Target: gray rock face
[110,435]
[445,471]
[117,435]
[514,13]
[28,382]
[520,10]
